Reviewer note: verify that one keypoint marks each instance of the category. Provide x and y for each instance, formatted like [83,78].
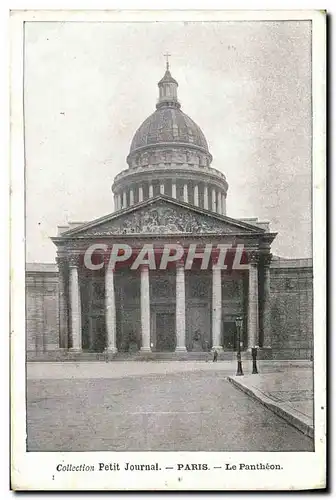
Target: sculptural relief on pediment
[161,219]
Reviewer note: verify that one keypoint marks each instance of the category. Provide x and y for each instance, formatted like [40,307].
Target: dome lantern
[168,89]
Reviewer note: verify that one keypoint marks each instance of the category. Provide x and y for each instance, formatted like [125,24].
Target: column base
[181,349]
[111,350]
[217,348]
[145,349]
[249,348]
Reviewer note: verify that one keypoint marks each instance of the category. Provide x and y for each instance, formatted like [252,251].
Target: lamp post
[254,360]
[239,324]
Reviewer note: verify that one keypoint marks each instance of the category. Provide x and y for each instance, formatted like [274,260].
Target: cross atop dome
[167,55]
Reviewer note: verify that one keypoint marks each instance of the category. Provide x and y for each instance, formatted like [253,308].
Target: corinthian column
[223,204]
[267,341]
[206,197]
[174,190]
[213,206]
[185,193]
[196,200]
[63,306]
[216,308]
[145,308]
[219,202]
[140,194]
[110,311]
[75,304]
[131,197]
[253,323]
[180,309]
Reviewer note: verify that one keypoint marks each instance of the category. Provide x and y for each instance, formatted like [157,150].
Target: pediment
[162,215]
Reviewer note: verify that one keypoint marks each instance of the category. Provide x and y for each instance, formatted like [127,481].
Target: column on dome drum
[201,194]
[156,188]
[145,190]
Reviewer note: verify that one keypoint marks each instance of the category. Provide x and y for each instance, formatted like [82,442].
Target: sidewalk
[288,393]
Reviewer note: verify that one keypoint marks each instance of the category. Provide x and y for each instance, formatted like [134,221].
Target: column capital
[73,260]
[180,264]
[266,259]
[106,259]
[62,262]
[254,257]
[144,267]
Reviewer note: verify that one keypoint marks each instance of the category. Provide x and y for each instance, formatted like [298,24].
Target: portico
[188,305]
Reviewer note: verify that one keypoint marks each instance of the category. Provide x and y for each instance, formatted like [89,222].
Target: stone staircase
[64,355]
[263,354]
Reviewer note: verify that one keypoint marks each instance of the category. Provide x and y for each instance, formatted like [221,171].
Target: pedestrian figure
[215,356]
[106,356]
[206,348]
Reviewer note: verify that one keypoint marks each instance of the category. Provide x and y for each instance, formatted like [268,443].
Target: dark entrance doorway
[165,332]
[97,333]
[229,336]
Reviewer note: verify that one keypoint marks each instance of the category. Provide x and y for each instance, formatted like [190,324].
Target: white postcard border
[38,470]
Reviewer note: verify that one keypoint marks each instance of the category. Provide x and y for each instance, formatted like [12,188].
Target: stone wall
[292,308]
[42,323]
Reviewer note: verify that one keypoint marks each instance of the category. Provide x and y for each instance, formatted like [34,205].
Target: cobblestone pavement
[192,410]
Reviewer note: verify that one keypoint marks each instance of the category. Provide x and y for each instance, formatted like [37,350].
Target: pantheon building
[169,198]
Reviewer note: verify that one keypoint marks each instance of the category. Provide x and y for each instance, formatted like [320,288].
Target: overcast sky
[89,86]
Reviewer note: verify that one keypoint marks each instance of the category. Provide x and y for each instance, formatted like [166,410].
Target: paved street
[192,409]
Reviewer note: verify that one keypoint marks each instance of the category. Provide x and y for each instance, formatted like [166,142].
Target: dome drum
[205,195]
[135,185]
[148,173]
[167,154]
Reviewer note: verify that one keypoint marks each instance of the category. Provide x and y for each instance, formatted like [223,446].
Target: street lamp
[254,360]
[239,324]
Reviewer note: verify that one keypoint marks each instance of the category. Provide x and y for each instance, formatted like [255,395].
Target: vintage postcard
[168,250]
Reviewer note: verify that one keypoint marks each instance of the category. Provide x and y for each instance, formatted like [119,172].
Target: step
[63,355]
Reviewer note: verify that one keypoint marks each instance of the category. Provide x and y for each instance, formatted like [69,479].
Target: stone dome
[168,125]
[169,155]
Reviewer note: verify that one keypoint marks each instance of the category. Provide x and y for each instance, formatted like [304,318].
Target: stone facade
[291,310]
[42,308]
